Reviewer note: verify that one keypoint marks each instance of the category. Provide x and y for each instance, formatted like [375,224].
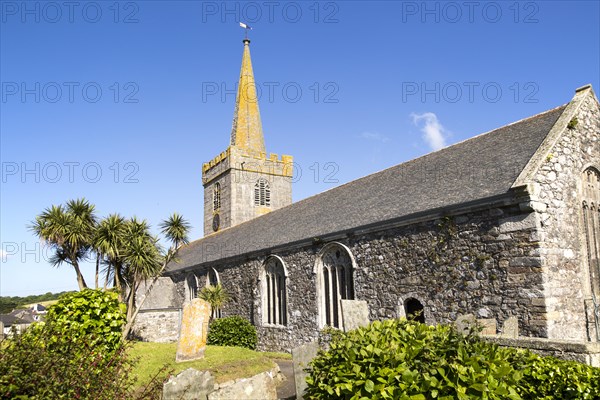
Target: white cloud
[433,132]
[375,136]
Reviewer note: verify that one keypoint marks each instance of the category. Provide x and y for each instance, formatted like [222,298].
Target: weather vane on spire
[246,27]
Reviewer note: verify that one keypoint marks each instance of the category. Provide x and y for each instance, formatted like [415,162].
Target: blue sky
[121,102]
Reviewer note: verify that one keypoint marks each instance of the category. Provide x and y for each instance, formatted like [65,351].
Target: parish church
[505,224]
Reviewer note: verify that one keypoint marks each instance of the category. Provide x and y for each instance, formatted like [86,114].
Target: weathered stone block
[517,223]
[526,262]
[489,326]
[301,356]
[465,323]
[190,384]
[510,328]
[261,386]
[194,331]
[538,302]
[355,313]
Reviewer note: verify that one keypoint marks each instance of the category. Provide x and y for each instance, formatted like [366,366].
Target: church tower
[243,182]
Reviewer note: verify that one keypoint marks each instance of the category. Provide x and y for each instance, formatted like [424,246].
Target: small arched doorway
[414,310]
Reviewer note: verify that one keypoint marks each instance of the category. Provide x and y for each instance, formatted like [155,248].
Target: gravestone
[488,325]
[190,384]
[301,356]
[355,313]
[1,330]
[194,330]
[510,328]
[465,323]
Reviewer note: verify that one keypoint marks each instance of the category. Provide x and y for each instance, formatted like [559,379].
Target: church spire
[246,132]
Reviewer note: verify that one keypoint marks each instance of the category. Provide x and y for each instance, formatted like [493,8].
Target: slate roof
[7,320]
[481,167]
[17,317]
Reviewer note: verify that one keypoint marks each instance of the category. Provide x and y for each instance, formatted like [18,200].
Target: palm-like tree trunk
[80,279]
[119,282]
[130,312]
[97,270]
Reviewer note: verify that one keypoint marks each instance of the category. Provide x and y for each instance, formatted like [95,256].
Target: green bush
[33,366]
[90,313]
[232,331]
[546,378]
[76,354]
[400,359]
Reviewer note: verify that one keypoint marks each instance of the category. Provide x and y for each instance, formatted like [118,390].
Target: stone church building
[505,224]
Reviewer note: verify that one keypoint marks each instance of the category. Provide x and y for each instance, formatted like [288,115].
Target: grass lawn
[225,363]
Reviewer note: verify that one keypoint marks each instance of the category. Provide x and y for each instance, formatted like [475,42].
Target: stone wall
[157,325]
[484,263]
[162,295]
[561,233]
[583,352]
[159,317]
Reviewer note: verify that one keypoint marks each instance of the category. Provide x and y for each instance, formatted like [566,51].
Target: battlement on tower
[241,160]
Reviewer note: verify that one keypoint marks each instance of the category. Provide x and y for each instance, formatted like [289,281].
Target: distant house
[19,320]
[38,311]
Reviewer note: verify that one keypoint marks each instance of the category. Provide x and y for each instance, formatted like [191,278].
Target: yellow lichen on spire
[246,132]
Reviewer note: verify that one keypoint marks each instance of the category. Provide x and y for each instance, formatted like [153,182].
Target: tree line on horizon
[10,303]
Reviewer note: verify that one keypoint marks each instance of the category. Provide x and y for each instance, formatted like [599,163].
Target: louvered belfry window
[591,222]
[217,197]
[262,193]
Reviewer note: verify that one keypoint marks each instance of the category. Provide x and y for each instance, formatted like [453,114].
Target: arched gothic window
[191,284]
[274,292]
[335,283]
[217,197]
[213,279]
[262,193]
[591,223]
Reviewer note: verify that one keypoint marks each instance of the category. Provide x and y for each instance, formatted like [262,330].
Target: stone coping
[170,309]
[544,344]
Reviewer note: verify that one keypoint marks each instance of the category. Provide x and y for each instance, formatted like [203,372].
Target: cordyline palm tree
[216,296]
[69,231]
[108,244]
[144,260]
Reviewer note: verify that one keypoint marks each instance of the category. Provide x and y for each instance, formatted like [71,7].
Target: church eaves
[246,132]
